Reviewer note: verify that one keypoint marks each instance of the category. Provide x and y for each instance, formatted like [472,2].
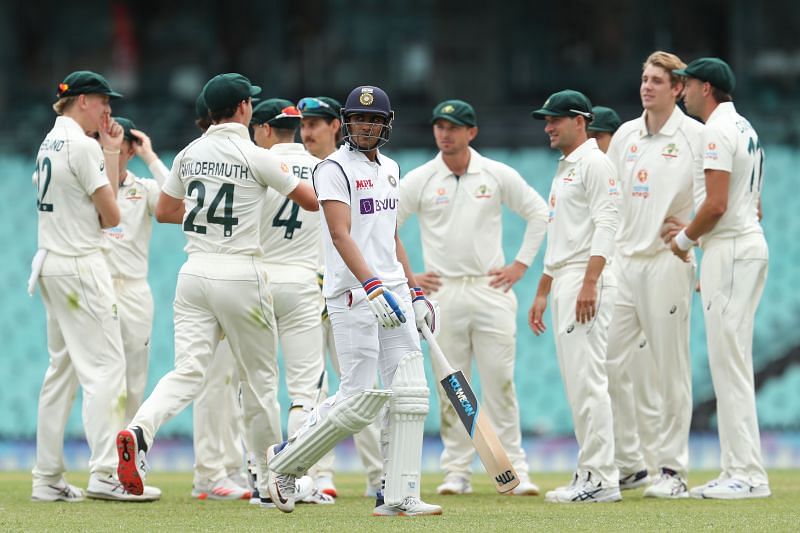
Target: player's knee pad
[331,422]
[407,411]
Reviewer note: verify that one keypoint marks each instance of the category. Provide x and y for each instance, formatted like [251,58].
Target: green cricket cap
[85,82]
[455,111]
[605,119]
[319,106]
[127,125]
[200,107]
[278,113]
[566,103]
[711,69]
[227,90]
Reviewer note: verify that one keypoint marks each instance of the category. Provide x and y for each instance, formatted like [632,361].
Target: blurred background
[504,59]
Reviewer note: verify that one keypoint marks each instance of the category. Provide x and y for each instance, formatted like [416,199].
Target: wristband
[417,294]
[111,152]
[683,241]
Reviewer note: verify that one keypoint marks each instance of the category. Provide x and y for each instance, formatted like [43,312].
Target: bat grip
[439,362]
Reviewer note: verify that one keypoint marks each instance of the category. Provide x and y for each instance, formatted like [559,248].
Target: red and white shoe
[224,489]
[325,485]
[132,467]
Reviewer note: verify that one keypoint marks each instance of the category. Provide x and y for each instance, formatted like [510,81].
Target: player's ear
[473,132]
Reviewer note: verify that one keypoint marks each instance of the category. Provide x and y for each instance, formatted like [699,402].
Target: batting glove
[384,304]
[425,311]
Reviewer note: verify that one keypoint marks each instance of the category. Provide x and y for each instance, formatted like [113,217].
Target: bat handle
[441,366]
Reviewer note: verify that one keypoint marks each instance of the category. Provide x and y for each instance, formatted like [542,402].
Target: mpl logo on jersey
[367,206]
[642,189]
[363,184]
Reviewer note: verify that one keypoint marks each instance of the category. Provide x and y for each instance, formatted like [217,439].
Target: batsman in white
[366,278]
[77,182]
[458,198]
[129,243]
[321,132]
[580,241]
[290,238]
[658,157]
[216,188]
[732,273]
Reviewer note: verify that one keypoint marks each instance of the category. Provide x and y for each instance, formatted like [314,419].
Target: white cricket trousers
[479,323]
[85,347]
[219,293]
[654,299]
[135,308]
[217,421]
[732,277]
[581,351]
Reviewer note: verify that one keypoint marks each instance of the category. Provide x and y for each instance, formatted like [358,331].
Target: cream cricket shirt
[70,168]
[130,240]
[731,144]
[370,189]
[290,235]
[460,218]
[222,178]
[583,209]
[656,177]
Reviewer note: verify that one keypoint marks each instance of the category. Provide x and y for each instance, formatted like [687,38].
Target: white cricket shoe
[697,492]
[410,506]
[526,487]
[57,492]
[132,467]
[224,489]
[455,484]
[325,485]
[281,487]
[550,495]
[303,487]
[317,497]
[110,488]
[584,490]
[634,481]
[736,489]
[669,485]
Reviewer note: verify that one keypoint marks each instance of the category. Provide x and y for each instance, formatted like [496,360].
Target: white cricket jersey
[70,168]
[731,144]
[656,175]
[222,177]
[460,217]
[370,189]
[130,240]
[583,209]
[290,235]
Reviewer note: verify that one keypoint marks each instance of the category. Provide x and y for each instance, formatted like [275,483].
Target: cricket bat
[477,424]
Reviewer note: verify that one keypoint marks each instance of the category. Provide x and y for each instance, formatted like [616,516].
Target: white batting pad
[325,428]
[407,411]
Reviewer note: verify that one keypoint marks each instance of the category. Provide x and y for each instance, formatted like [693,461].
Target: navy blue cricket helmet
[367,99]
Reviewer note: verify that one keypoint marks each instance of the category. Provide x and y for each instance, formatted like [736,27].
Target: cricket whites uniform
[460,220]
[656,175]
[127,255]
[732,277]
[583,221]
[223,286]
[83,332]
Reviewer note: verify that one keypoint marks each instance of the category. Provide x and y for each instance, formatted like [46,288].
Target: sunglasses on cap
[287,112]
[310,102]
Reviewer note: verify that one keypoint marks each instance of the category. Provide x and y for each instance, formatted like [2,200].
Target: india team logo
[366,97]
[392,181]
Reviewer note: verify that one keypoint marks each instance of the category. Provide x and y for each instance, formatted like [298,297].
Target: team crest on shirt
[133,194]
[632,153]
[570,177]
[441,197]
[284,168]
[711,152]
[670,151]
[483,191]
[641,189]
[392,181]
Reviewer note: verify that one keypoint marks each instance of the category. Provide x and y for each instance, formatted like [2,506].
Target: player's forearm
[111,159]
[704,221]
[593,270]
[545,282]
[159,170]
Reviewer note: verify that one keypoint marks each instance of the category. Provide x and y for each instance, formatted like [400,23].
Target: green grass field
[482,511]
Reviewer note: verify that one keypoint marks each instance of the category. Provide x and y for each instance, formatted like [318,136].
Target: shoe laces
[286,484]
[410,501]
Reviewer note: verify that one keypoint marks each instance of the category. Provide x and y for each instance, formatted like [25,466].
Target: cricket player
[657,157]
[127,257]
[374,319]
[290,238]
[216,188]
[321,133]
[77,181]
[580,241]
[733,270]
[605,123]
[217,429]
[458,197]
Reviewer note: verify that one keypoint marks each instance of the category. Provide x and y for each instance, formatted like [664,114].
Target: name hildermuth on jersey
[215,168]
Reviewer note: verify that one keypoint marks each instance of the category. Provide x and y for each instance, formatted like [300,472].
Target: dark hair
[720,96]
[222,114]
[203,123]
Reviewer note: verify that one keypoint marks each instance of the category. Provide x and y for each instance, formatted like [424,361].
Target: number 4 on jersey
[291,223]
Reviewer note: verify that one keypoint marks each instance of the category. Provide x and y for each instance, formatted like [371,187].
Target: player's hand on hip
[536,315]
[586,306]
[426,312]
[384,303]
[504,278]
[430,282]
[683,255]
[111,134]
[671,227]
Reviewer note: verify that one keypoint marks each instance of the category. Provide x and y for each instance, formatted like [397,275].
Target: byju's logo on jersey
[367,206]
